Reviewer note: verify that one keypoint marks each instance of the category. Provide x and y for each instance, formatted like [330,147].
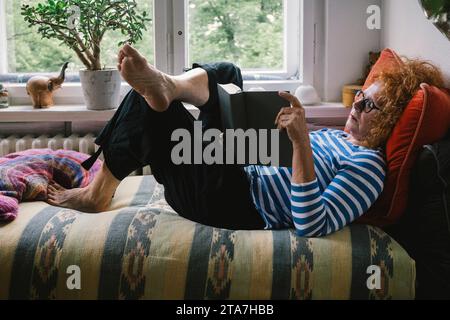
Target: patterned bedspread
[141,249]
[24,176]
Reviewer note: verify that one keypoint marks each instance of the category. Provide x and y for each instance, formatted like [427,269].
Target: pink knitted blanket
[24,176]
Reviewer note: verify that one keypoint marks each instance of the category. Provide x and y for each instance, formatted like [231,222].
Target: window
[250,33]
[262,36]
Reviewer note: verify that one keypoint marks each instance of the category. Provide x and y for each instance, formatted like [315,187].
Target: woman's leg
[197,86]
[215,195]
[94,198]
[218,73]
[158,88]
[136,136]
[140,134]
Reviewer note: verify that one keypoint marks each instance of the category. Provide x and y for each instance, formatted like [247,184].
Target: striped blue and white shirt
[349,180]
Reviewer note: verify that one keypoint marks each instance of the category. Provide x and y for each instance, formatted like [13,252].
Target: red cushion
[425,120]
[388,60]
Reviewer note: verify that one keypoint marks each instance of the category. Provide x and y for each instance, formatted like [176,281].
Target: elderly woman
[335,178]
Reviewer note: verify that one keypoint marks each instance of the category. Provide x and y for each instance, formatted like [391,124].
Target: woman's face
[365,108]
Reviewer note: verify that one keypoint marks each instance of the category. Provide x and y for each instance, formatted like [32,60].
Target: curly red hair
[400,85]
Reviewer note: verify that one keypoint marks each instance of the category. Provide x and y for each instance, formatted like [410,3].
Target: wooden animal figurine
[41,88]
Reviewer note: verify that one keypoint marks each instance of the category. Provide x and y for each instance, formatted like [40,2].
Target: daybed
[143,250]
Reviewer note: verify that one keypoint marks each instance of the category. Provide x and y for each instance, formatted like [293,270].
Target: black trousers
[215,195]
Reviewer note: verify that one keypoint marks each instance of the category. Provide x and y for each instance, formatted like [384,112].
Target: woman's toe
[52,192]
[57,186]
[51,200]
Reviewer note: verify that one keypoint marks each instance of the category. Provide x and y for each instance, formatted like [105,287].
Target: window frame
[171,51]
[3,39]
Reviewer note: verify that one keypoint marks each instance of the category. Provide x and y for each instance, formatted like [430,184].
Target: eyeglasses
[364,104]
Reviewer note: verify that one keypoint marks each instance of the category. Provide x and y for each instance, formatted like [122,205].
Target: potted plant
[81,25]
[438,11]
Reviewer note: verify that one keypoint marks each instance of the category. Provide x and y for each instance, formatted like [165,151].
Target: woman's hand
[293,119]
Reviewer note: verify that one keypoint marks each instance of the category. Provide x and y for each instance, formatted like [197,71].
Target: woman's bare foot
[81,199]
[156,87]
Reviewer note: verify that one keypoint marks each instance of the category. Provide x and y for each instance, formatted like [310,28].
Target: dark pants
[215,195]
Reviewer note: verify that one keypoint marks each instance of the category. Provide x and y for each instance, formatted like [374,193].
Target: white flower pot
[101,89]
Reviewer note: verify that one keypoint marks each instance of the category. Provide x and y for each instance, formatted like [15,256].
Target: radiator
[11,144]
[84,144]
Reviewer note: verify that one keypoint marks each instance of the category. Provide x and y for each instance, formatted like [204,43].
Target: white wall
[407,31]
[344,44]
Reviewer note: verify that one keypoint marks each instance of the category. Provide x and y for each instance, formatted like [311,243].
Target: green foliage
[249,33]
[84,29]
[435,8]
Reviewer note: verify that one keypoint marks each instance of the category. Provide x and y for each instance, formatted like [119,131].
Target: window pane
[28,52]
[249,33]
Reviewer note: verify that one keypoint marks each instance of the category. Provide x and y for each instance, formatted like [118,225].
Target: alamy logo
[75,14]
[374,280]
[240,146]
[374,19]
[74,280]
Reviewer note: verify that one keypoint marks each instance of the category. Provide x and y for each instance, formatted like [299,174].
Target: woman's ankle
[192,87]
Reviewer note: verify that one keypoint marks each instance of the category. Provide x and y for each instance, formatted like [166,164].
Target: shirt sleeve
[349,195]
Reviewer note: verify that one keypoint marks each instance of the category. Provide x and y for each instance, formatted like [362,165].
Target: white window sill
[334,112]
[69,107]
[71,93]
[59,113]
